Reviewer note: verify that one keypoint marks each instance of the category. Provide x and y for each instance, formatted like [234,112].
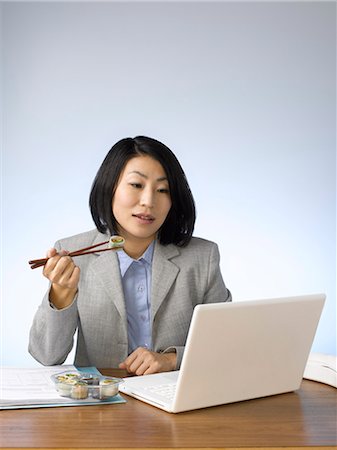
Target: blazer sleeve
[216,288]
[51,336]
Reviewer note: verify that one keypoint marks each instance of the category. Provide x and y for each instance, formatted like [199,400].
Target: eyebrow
[145,176]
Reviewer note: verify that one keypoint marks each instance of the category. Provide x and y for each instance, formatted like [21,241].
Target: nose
[147,198]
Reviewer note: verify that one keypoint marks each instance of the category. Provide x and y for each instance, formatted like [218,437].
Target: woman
[131,308]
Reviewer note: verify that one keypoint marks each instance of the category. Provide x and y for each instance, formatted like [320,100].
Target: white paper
[30,386]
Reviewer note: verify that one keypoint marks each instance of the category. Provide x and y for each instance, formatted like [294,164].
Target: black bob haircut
[179,224]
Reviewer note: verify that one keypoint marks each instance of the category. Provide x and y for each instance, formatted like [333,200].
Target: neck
[136,249]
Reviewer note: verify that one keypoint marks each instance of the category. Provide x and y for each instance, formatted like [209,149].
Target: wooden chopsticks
[115,243]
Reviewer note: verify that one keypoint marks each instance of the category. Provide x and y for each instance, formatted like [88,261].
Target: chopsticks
[114,243]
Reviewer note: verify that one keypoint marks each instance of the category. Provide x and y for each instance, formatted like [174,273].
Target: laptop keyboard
[165,390]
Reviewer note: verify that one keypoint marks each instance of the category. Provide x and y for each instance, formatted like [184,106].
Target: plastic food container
[81,386]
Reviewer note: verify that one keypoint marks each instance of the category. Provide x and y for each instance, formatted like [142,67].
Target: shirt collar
[125,260]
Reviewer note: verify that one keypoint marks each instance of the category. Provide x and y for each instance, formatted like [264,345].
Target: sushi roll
[108,388]
[64,389]
[64,384]
[79,390]
[67,377]
[116,242]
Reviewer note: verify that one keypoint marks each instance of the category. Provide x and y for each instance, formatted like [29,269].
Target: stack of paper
[34,388]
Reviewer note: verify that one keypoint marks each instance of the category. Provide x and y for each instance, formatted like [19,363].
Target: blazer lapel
[106,267]
[164,273]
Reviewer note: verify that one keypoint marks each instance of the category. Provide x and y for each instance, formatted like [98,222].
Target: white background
[244,94]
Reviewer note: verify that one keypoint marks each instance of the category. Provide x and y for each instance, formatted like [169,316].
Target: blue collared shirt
[136,281]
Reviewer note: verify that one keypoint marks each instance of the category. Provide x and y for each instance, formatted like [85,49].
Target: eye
[136,185]
[164,190]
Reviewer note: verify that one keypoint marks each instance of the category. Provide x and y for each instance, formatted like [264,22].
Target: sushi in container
[82,386]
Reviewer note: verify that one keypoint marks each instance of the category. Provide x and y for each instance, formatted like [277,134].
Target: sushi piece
[68,377]
[116,242]
[65,382]
[79,390]
[108,388]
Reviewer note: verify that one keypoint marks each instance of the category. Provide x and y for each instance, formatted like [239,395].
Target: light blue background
[243,93]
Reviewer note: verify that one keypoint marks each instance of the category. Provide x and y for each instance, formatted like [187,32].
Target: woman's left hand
[143,362]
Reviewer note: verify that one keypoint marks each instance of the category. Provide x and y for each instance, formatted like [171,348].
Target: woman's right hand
[64,276]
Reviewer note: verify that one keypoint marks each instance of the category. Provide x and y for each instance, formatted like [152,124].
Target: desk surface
[303,418]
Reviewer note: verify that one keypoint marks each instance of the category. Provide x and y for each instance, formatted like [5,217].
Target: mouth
[144,218]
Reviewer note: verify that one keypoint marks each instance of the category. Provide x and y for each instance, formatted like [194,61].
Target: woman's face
[142,199]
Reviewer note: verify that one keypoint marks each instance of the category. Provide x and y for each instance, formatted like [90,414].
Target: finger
[50,265]
[159,363]
[69,277]
[150,370]
[139,365]
[130,363]
[51,252]
[143,361]
[126,364]
[132,356]
[57,267]
[75,277]
[154,364]
[144,368]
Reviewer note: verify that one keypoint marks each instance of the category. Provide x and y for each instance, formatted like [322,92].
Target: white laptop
[236,351]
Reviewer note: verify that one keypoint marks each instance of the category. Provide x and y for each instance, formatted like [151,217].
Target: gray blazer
[182,277]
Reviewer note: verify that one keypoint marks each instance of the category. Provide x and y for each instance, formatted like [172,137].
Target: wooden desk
[306,418]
